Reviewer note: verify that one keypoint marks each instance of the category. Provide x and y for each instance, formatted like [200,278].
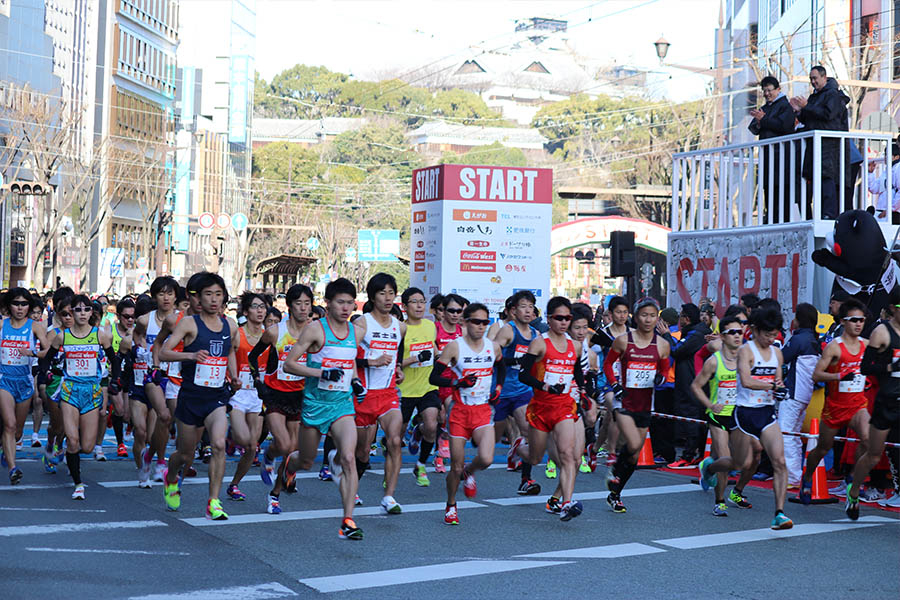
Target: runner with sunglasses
[447,330]
[472,359]
[121,329]
[63,319]
[644,360]
[552,366]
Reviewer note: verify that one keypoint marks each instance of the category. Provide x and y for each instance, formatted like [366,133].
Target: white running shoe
[35,440]
[391,506]
[144,479]
[838,490]
[357,501]
[98,454]
[78,494]
[158,470]
[892,502]
[871,495]
[336,469]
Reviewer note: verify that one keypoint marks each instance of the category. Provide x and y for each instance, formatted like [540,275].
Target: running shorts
[20,388]
[321,415]
[505,407]
[247,401]
[544,416]
[289,404]
[641,418]
[753,421]
[420,404]
[721,420]
[83,396]
[465,419]
[376,404]
[836,415]
[193,411]
[885,413]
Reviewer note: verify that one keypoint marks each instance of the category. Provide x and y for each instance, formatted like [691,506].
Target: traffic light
[621,254]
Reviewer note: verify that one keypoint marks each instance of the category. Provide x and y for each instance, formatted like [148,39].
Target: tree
[493,154]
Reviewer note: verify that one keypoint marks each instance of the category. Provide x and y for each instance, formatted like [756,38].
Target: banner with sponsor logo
[771,262]
[481,232]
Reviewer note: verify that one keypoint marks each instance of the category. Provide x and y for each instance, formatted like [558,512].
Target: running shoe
[335,467]
[235,494]
[273,507]
[15,475]
[805,492]
[762,477]
[439,465]
[469,486]
[49,467]
[553,506]
[158,470]
[892,502]
[171,492]
[592,461]
[324,473]
[720,509]
[550,471]
[601,453]
[739,499]
[391,506]
[78,494]
[512,455]
[415,441]
[289,477]
[871,495]
[444,447]
[570,510]
[206,454]
[35,442]
[707,480]
[214,511]
[659,461]
[612,482]
[451,516]
[615,503]
[679,464]
[373,450]
[190,471]
[349,530]
[267,470]
[611,459]
[98,454]
[421,475]
[57,454]
[122,451]
[19,443]
[851,507]
[529,488]
[145,464]
[781,521]
[129,434]
[584,467]
[838,490]
[144,480]
[357,501]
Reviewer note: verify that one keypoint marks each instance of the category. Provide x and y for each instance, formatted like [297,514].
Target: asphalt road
[121,542]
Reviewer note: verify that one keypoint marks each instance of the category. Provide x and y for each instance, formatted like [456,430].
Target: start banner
[481,232]
[723,265]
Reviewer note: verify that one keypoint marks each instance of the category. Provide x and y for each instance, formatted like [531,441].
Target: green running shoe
[584,467]
[738,499]
[421,475]
[171,492]
[214,511]
[720,509]
[550,472]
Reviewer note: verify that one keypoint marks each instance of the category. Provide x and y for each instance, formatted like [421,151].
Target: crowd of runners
[433,374]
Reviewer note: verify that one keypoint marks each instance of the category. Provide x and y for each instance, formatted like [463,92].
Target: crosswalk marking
[74,527]
[54,510]
[262,591]
[755,535]
[468,568]
[613,551]
[106,551]
[647,491]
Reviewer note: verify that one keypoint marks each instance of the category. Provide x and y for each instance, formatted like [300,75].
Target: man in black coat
[774,119]
[825,109]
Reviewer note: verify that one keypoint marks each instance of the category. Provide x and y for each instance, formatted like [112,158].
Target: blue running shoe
[324,473]
[49,467]
[15,475]
[805,493]
[706,480]
[720,510]
[414,441]
[570,510]
[781,521]
[267,470]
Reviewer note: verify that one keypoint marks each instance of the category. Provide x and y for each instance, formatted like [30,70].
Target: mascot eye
[837,249]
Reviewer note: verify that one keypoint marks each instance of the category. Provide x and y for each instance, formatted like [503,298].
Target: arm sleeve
[44,363]
[579,374]
[500,371]
[700,357]
[437,378]
[873,363]
[611,357]
[362,363]
[115,365]
[525,375]
[662,366]
[253,357]
[754,127]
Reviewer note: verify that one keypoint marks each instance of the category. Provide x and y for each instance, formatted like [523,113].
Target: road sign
[239,221]
[206,220]
[350,254]
[312,244]
[223,220]
[378,245]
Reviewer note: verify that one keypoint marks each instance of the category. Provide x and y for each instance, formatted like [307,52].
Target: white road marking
[756,535]
[361,581]
[614,551]
[48,486]
[76,527]
[261,591]
[105,551]
[870,519]
[647,491]
[78,510]
[324,513]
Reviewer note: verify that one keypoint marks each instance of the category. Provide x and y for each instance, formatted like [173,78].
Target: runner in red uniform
[644,361]
[448,329]
[845,400]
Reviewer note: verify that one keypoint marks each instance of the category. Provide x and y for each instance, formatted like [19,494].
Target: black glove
[257,381]
[231,387]
[659,379]
[556,388]
[895,366]
[359,390]
[586,403]
[848,376]
[114,387]
[780,394]
[331,374]
[467,381]
[424,356]
[156,376]
[618,391]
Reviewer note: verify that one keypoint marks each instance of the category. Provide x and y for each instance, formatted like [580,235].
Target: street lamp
[662,48]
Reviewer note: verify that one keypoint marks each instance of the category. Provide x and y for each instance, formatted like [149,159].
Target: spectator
[825,109]
[878,186]
[774,119]
[708,316]
[749,301]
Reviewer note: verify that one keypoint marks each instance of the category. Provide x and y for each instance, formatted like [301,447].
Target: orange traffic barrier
[708,451]
[819,480]
[645,460]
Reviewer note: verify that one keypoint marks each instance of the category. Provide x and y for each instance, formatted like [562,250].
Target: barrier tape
[794,433]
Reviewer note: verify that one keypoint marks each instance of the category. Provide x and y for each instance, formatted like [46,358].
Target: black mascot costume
[856,253]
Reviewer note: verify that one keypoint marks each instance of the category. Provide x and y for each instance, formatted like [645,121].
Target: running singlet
[242,358]
[12,342]
[415,376]
[639,367]
[335,353]
[152,332]
[889,385]
[481,365]
[206,380]
[763,370]
[517,348]
[377,341]
[82,357]
[442,338]
[847,393]
[554,369]
[116,338]
[723,386]
[174,369]
[281,380]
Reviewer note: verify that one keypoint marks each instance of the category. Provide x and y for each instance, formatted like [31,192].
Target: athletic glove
[659,379]
[556,388]
[156,376]
[848,375]
[780,394]
[586,403]
[114,387]
[331,374]
[424,356]
[466,382]
[618,391]
[359,390]
[495,397]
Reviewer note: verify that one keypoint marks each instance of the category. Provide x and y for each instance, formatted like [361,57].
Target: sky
[372,39]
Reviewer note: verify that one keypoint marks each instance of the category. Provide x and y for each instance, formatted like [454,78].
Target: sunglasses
[82,309]
[479,321]
[20,303]
[563,318]
[854,319]
[733,332]
[65,314]
[453,311]
[124,316]
[744,322]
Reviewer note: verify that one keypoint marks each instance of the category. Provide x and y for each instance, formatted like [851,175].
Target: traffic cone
[708,451]
[819,480]
[645,460]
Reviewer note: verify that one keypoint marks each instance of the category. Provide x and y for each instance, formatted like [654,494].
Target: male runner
[471,359]
[644,360]
[845,401]
[551,364]
[447,330]
[331,345]
[417,393]
[120,330]
[378,371]
[143,417]
[608,437]
[207,357]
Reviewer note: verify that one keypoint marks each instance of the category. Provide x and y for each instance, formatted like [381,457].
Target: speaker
[621,254]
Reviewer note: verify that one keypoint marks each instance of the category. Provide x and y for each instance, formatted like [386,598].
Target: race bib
[81,363]
[280,374]
[245,377]
[140,371]
[414,350]
[174,369]
[211,372]
[896,358]
[639,375]
[11,353]
[481,391]
[727,392]
[559,374]
[342,384]
[857,384]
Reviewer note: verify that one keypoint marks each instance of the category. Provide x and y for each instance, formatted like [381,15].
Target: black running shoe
[349,531]
[615,503]
[553,506]
[529,488]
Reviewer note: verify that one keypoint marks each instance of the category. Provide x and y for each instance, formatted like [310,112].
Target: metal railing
[762,183]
